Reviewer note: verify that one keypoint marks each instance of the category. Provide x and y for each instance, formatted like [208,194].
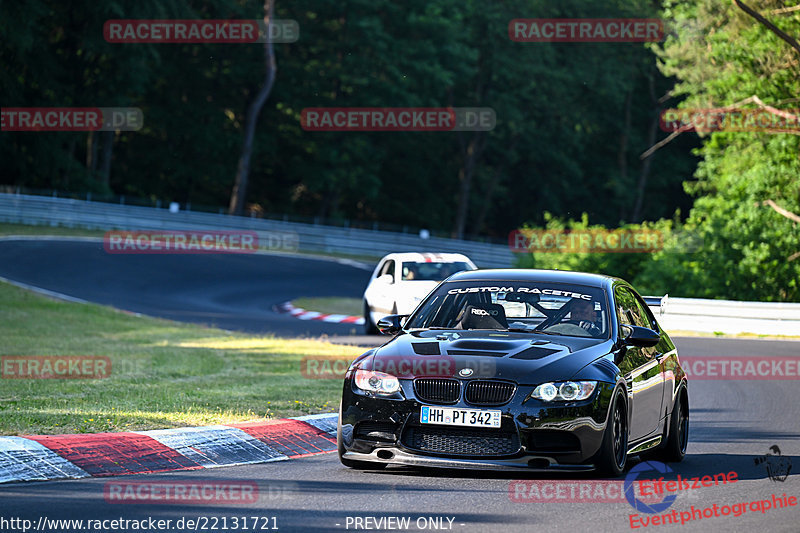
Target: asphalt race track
[733,422]
[230,291]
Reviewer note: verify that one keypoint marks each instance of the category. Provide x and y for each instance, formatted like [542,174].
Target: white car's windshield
[533,306]
[431,271]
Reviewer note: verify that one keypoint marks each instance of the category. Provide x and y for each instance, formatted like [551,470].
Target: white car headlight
[566,391]
[377,382]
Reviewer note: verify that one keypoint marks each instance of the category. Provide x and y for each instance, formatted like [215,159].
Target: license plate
[451,416]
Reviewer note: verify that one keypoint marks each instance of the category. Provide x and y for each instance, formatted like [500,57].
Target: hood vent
[534,353]
[476,353]
[426,348]
[481,344]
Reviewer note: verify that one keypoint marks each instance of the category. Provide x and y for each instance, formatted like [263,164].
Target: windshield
[552,308]
[414,271]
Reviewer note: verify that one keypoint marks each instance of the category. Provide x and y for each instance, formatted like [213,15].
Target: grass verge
[59,231]
[163,374]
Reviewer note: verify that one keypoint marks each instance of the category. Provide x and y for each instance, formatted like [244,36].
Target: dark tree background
[572,121]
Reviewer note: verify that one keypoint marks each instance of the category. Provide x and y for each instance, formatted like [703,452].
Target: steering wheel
[565,328]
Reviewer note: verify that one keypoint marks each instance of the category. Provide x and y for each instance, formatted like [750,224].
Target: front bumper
[534,435]
[399,456]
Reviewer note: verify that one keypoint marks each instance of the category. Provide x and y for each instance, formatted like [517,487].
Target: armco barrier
[728,316]
[51,211]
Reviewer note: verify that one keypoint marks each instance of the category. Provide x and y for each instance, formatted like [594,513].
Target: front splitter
[402,457]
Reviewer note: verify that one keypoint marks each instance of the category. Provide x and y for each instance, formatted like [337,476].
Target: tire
[369,327]
[356,465]
[675,448]
[613,455]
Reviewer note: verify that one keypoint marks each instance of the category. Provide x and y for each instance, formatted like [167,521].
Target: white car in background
[402,280]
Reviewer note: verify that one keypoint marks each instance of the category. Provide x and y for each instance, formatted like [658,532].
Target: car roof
[523,274]
[428,257]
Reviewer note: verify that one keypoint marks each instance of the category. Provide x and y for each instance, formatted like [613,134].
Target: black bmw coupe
[544,370]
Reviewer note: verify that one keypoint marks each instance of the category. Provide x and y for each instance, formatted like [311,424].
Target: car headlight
[377,382]
[565,391]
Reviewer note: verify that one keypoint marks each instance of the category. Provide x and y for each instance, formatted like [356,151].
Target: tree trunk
[471,153]
[496,178]
[487,200]
[644,174]
[239,192]
[329,204]
[104,177]
[472,150]
[636,216]
[92,142]
[65,175]
[622,153]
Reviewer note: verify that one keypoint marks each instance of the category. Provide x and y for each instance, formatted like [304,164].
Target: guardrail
[729,316]
[685,314]
[288,236]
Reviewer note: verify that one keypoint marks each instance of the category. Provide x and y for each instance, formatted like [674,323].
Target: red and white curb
[51,457]
[302,314]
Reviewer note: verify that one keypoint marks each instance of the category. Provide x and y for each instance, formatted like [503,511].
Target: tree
[243,170]
[722,57]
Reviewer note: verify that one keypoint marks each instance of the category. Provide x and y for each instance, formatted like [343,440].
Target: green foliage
[572,121]
[561,140]
[722,56]
[651,272]
[743,248]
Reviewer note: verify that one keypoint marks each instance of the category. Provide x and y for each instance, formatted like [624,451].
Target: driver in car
[410,272]
[582,313]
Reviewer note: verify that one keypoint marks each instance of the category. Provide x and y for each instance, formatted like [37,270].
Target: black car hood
[521,357]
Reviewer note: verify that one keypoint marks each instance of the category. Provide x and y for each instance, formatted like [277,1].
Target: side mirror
[388,279]
[392,324]
[639,336]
